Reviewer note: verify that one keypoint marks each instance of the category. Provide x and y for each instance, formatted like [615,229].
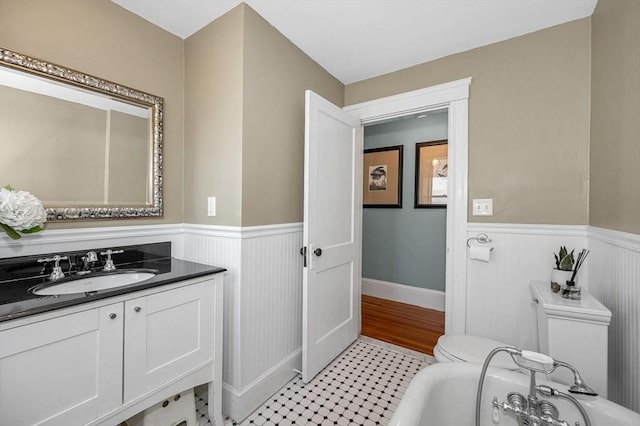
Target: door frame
[455,97]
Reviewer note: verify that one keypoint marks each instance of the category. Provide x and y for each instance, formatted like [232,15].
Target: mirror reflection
[85,153]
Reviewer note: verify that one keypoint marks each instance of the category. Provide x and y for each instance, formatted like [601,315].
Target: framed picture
[432,166]
[382,177]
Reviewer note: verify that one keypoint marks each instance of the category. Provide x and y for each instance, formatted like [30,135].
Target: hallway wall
[406,245]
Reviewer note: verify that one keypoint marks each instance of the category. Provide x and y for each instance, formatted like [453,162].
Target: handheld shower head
[579,386]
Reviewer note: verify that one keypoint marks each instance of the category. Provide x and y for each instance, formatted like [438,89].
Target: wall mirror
[88,148]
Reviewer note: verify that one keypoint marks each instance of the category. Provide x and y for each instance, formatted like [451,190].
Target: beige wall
[213,112]
[528,121]
[276,74]
[615,112]
[244,109]
[100,38]
[243,143]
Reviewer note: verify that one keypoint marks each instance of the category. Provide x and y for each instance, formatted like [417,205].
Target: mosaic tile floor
[363,386]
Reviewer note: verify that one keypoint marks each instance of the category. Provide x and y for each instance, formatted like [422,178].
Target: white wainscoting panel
[499,303]
[423,297]
[263,291]
[614,279]
[203,244]
[271,302]
[263,306]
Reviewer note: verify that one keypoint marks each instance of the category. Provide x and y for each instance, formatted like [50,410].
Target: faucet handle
[56,258]
[109,265]
[57,273]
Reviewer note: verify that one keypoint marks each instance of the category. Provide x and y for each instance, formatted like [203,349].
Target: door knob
[318,252]
[137,309]
[112,315]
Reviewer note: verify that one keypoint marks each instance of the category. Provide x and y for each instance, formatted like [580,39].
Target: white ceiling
[358,39]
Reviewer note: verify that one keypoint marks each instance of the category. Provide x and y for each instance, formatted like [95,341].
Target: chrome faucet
[56,273]
[108,264]
[87,262]
[531,410]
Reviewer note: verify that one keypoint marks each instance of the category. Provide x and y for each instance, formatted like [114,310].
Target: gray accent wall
[407,245]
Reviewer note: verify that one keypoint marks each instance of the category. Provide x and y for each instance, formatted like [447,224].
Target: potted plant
[563,270]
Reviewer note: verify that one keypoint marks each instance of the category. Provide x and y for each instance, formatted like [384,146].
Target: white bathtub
[444,394]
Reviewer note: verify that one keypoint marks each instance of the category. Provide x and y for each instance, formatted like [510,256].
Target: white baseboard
[240,404]
[425,298]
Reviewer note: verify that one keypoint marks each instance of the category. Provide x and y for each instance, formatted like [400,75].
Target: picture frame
[382,177]
[431,174]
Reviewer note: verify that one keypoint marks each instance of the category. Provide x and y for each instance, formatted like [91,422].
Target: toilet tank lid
[588,309]
[475,349]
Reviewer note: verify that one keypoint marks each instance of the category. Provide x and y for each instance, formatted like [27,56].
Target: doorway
[452,96]
[324,122]
[404,243]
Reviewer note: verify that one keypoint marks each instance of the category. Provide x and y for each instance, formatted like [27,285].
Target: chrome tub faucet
[531,411]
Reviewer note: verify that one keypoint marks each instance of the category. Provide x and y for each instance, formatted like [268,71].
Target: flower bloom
[20,210]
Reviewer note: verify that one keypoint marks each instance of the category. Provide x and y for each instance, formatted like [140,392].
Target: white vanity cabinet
[102,362]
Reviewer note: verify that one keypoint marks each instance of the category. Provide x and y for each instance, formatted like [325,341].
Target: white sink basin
[95,283]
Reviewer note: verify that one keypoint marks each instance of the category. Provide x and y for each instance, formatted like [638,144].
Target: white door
[332,228]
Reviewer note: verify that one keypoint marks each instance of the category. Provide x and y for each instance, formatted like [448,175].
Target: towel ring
[481,238]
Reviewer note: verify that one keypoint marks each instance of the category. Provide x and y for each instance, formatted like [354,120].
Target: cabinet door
[167,334]
[62,371]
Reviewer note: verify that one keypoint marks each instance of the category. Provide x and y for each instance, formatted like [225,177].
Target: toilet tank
[574,331]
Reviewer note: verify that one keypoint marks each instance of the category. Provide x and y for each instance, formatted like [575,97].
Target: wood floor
[404,325]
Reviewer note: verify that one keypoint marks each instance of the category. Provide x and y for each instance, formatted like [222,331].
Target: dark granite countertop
[17,300]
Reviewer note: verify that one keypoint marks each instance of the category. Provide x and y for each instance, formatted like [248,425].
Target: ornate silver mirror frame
[84,81]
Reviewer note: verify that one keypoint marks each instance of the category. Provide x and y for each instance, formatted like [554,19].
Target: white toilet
[465,348]
[574,331]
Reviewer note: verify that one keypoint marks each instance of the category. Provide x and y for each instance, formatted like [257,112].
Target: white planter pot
[559,278]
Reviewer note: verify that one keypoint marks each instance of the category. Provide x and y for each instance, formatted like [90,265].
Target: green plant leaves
[564,259]
[32,230]
[10,232]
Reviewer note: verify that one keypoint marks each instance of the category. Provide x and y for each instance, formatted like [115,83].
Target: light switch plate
[211,206]
[482,207]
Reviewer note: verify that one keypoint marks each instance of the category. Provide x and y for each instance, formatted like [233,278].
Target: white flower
[20,210]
